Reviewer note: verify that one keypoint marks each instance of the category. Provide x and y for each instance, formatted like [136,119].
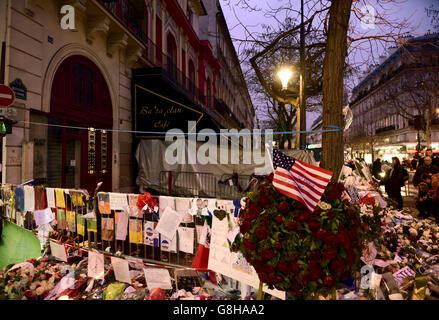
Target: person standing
[426,168]
[376,168]
[394,181]
[429,153]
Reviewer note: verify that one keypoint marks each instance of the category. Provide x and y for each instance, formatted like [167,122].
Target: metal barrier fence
[90,234]
[199,184]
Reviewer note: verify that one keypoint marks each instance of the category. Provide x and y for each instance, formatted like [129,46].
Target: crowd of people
[426,180]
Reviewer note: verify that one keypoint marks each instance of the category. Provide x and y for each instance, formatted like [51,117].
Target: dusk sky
[412,10]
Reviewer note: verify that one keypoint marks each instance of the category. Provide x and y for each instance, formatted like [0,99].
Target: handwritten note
[50,192]
[95,265]
[186,239]
[157,278]
[165,202]
[118,201]
[121,269]
[169,223]
[43,216]
[121,225]
[58,251]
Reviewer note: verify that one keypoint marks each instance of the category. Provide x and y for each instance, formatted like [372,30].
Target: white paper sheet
[157,278]
[165,202]
[121,270]
[186,239]
[58,251]
[168,223]
[122,223]
[118,201]
[95,265]
[182,206]
[43,216]
[50,192]
[29,198]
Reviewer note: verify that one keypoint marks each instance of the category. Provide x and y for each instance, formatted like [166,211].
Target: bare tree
[416,94]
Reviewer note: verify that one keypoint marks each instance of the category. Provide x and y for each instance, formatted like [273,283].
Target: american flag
[299,180]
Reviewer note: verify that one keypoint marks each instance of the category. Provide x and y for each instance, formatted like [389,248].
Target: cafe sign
[156,114]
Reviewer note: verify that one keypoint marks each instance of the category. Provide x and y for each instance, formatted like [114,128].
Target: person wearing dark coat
[394,181]
[376,168]
[426,168]
[434,158]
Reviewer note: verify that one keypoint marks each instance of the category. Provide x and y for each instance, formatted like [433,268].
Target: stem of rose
[260,292]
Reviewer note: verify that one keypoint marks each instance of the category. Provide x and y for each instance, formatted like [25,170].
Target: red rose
[345,276]
[253,212]
[295,288]
[279,219]
[340,187]
[317,211]
[270,177]
[328,281]
[337,265]
[314,255]
[357,222]
[245,227]
[353,235]
[292,226]
[350,258]
[267,269]
[267,254]
[261,233]
[300,205]
[295,267]
[330,239]
[278,245]
[283,207]
[330,253]
[284,267]
[263,199]
[314,271]
[314,225]
[301,236]
[303,216]
[331,215]
[350,213]
[248,245]
[322,234]
[331,196]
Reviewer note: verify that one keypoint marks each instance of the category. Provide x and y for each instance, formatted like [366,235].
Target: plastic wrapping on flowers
[295,250]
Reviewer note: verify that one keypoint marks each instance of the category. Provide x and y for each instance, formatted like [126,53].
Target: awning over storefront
[160,104]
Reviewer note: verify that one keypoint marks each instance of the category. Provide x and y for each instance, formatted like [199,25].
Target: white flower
[324,205]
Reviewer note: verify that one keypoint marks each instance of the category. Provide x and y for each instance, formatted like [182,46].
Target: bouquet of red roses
[299,251]
[146,200]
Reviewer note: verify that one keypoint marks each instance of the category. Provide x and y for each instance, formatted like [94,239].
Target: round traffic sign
[7,96]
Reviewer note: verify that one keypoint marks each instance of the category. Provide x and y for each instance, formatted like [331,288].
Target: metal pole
[301,119]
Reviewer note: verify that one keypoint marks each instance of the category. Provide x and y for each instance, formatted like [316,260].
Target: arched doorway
[78,158]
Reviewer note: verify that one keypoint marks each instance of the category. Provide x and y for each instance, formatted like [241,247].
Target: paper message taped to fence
[186,239]
[157,278]
[50,193]
[118,201]
[169,222]
[121,269]
[43,216]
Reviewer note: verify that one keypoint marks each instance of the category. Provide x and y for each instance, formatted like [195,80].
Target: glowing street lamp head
[285,76]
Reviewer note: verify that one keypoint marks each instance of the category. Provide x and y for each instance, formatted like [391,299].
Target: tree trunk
[333,67]
[428,129]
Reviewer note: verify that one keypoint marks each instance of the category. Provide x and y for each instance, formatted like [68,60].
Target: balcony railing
[384,129]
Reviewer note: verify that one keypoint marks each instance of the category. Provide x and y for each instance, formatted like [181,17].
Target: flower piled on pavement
[299,251]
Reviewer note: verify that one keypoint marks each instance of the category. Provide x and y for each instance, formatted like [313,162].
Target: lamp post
[285,75]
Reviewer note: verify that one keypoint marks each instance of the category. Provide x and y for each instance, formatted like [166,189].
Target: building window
[83,84]
[192,76]
[172,55]
[208,92]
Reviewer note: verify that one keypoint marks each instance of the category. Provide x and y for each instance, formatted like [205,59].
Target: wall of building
[36,45]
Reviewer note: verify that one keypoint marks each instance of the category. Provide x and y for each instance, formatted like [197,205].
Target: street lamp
[285,75]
